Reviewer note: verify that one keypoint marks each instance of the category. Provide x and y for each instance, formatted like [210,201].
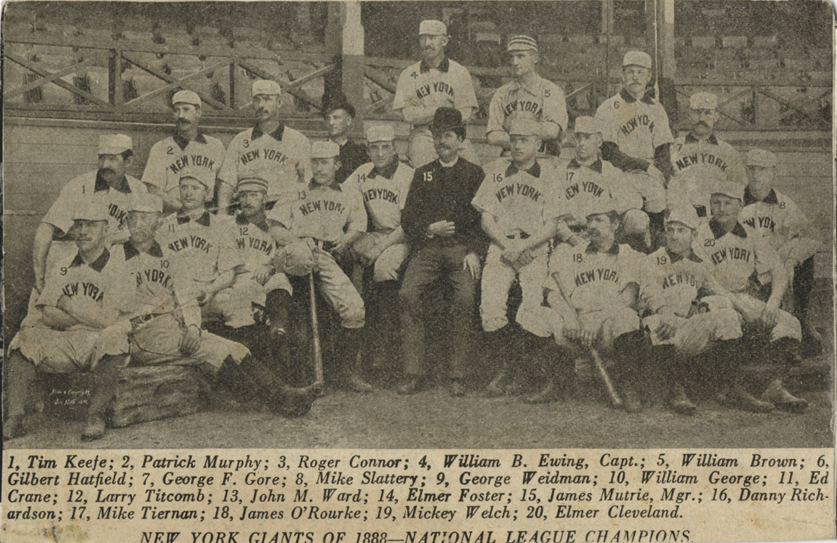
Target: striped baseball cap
[522,42]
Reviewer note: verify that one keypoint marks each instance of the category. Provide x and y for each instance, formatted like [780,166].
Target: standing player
[637,136]
[424,87]
[587,178]
[384,183]
[110,180]
[444,233]
[528,96]
[339,115]
[187,147]
[519,214]
[270,147]
[741,261]
[674,278]
[778,219]
[592,292]
[322,226]
[82,296]
[699,158]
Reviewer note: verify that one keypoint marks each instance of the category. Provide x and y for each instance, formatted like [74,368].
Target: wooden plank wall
[41,156]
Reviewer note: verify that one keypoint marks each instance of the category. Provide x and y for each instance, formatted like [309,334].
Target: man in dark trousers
[444,231]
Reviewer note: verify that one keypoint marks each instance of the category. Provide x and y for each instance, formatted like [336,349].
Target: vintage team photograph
[418,225]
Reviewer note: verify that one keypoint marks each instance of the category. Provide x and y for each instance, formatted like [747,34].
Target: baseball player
[270,147]
[384,183]
[699,158]
[741,261]
[321,226]
[188,146]
[115,154]
[592,289]
[587,178]
[528,96]
[775,217]
[519,214]
[680,325]
[79,298]
[446,239]
[424,87]
[339,114]
[637,136]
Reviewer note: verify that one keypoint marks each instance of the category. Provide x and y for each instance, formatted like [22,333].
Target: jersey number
[245,144]
[498,178]
[170,151]
[428,176]
[570,176]
[243,231]
[63,271]
[709,243]
[171,228]
[577,257]
[662,260]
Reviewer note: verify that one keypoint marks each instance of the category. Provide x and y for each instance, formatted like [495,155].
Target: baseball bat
[597,360]
[315,331]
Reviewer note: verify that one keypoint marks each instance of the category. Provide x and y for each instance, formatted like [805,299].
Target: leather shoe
[94,430]
[631,402]
[549,394]
[740,398]
[782,399]
[357,384]
[410,387]
[680,403]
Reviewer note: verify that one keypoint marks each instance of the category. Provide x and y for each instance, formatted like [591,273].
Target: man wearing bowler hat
[447,241]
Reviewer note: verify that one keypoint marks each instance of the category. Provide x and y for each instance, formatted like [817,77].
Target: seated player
[83,296]
[587,178]
[592,291]
[321,226]
[517,201]
[742,261]
[776,217]
[680,325]
[384,183]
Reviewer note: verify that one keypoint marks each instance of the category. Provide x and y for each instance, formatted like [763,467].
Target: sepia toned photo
[422,272]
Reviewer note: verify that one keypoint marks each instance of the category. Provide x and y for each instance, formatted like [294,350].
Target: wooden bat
[315,331]
[597,360]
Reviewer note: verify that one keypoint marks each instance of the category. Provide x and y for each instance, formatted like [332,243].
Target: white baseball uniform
[384,194]
[542,101]
[167,157]
[581,187]
[521,202]
[785,227]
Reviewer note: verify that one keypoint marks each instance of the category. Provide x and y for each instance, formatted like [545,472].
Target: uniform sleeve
[229,169]
[357,219]
[650,290]
[465,95]
[484,198]
[60,215]
[282,213]
[560,272]
[496,115]
[631,264]
[406,181]
[802,239]
[229,257]
[53,289]
[609,124]
[155,168]
[662,132]
[767,259]
[555,106]
[404,91]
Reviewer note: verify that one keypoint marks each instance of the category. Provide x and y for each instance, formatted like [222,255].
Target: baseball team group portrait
[352,224]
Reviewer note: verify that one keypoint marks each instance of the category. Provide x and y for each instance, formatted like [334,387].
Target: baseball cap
[637,58]
[729,188]
[446,118]
[380,132]
[114,144]
[91,209]
[324,149]
[266,86]
[433,27]
[587,125]
[703,100]
[684,215]
[251,183]
[761,158]
[186,97]
[601,206]
[146,202]
[524,127]
[203,175]
[522,43]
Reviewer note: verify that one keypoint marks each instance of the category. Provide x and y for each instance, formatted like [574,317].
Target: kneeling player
[678,327]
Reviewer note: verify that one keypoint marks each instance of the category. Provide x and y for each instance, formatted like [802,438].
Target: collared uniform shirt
[542,101]
[697,164]
[581,187]
[282,158]
[203,248]
[84,187]
[638,127]
[384,192]
[167,157]
[520,200]
[672,280]
[737,257]
[448,86]
[785,227]
[325,213]
[593,280]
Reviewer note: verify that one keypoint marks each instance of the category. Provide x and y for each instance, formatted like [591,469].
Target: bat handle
[611,390]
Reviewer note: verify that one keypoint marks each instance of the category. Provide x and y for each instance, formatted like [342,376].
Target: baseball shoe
[357,384]
[740,398]
[549,394]
[680,403]
[13,428]
[296,402]
[412,386]
[779,396]
[456,388]
[495,388]
[95,428]
[630,401]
